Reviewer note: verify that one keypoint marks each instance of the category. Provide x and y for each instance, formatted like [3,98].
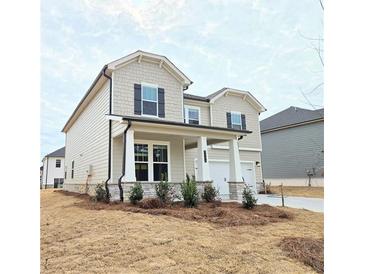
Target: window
[192,115]
[149,100]
[141,161]
[72,169]
[236,120]
[58,163]
[160,162]
[151,161]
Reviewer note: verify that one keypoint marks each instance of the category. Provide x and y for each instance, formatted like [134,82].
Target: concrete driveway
[313,204]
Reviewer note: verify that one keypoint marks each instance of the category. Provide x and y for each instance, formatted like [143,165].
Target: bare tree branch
[320,1]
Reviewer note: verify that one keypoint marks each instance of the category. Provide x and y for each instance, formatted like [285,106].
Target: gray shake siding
[287,153]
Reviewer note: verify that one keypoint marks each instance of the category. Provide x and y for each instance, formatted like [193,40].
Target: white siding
[234,103]
[53,172]
[87,142]
[204,110]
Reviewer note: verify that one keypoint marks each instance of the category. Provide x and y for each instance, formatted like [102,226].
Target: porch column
[129,172]
[203,162]
[234,162]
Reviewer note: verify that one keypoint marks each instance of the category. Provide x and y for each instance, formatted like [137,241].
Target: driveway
[313,204]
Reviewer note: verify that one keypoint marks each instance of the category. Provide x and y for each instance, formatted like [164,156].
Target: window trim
[186,113]
[151,86]
[150,144]
[236,113]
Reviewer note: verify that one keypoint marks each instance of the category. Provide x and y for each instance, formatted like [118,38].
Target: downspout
[110,133]
[123,168]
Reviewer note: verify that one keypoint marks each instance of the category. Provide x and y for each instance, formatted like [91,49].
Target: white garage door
[248,174]
[219,173]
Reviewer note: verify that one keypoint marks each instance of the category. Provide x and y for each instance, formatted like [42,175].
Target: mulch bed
[222,214]
[307,250]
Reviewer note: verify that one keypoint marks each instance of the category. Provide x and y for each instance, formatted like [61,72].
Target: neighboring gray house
[293,147]
[53,169]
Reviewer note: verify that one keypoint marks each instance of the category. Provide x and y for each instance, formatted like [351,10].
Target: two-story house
[52,170]
[136,123]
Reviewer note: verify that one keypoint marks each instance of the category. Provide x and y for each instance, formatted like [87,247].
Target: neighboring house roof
[57,153]
[108,68]
[215,95]
[291,116]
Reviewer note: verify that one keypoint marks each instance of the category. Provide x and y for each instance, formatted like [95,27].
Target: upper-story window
[58,163]
[192,115]
[149,100]
[236,120]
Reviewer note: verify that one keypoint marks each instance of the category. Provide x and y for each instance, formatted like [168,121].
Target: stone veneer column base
[235,190]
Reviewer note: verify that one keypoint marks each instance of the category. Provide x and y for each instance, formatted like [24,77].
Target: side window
[72,169]
[192,115]
[58,163]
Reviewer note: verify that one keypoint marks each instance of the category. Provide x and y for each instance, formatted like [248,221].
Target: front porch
[148,152]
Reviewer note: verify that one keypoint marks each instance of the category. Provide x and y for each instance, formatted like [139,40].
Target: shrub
[189,192]
[136,193]
[101,194]
[266,188]
[150,203]
[248,198]
[210,193]
[164,192]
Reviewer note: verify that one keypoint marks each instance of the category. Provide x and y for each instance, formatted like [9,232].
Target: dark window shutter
[243,121]
[137,99]
[161,102]
[229,121]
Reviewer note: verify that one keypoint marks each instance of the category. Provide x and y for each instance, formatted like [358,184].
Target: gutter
[110,134]
[123,168]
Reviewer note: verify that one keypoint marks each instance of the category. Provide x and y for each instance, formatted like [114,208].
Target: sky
[265,47]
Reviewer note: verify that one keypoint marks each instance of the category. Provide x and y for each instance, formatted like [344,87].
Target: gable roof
[215,95]
[57,153]
[291,116]
[138,56]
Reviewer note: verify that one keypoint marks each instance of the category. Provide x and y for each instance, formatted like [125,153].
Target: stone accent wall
[148,188]
[235,190]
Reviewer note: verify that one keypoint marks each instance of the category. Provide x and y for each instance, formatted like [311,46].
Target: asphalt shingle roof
[57,153]
[291,116]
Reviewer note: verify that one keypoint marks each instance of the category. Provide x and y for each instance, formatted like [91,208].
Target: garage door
[219,173]
[248,174]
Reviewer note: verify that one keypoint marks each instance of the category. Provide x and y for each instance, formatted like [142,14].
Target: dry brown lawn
[301,191]
[78,239]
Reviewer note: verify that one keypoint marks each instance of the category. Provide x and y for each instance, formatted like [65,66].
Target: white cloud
[151,17]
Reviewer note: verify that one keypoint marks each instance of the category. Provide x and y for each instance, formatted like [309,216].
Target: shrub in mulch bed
[219,213]
[307,250]
[150,203]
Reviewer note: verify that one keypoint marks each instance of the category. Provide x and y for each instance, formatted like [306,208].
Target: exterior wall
[315,182]
[53,172]
[204,110]
[288,153]
[229,103]
[223,154]
[87,144]
[136,73]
